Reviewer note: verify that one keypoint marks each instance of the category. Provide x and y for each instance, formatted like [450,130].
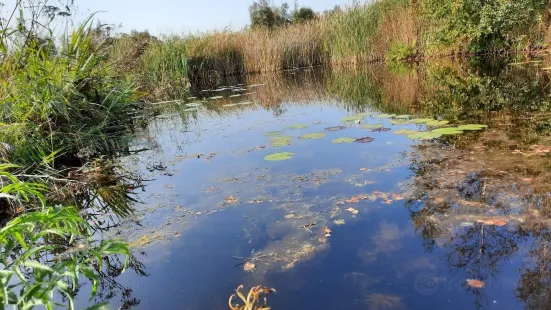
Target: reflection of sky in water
[375,260]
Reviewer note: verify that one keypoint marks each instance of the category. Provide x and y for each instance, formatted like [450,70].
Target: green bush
[400,51]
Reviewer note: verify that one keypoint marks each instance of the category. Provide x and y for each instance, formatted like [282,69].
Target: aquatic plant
[279,156]
[343,140]
[279,141]
[312,136]
[254,300]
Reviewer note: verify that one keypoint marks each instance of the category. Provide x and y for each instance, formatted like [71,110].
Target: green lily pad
[399,122]
[312,136]
[339,222]
[437,123]
[354,118]
[216,97]
[448,131]
[372,126]
[281,141]
[298,126]
[428,135]
[385,115]
[406,132]
[403,116]
[230,105]
[279,156]
[274,133]
[422,120]
[343,140]
[472,127]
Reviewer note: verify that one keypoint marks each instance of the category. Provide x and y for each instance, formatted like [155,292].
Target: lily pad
[385,115]
[403,116]
[298,126]
[425,135]
[354,118]
[335,128]
[312,136]
[372,126]
[281,141]
[448,131]
[274,133]
[380,129]
[339,222]
[364,140]
[216,97]
[472,127]
[406,132]
[422,120]
[279,156]
[399,122]
[343,140]
[436,123]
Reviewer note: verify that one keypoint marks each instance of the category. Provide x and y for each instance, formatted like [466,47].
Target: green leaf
[406,132]
[102,306]
[36,265]
[274,133]
[448,131]
[279,156]
[312,136]
[399,122]
[372,126]
[425,135]
[403,116]
[281,141]
[472,127]
[422,120]
[298,126]
[354,118]
[343,140]
[436,123]
[385,115]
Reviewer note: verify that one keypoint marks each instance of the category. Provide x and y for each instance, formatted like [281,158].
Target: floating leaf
[248,266]
[230,199]
[385,115]
[436,123]
[406,132]
[339,222]
[399,122]
[364,140]
[422,120]
[472,127]
[279,156]
[216,97]
[448,131]
[373,126]
[475,283]
[354,118]
[274,133]
[380,129]
[403,116]
[335,128]
[298,126]
[312,136]
[289,216]
[327,232]
[352,210]
[425,135]
[281,141]
[364,169]
[343,140]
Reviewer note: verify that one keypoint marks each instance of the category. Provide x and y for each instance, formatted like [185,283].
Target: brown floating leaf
[230,199]
[475,283]
[380,129]
[397,197]
[289,216]
[335,128]
[364,169]
[248,266]
[327,232]
[387,201]
[493,222]
[322,240]
[352,210]
[364,140]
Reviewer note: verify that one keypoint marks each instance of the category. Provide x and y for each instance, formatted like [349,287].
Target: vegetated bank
[383,30]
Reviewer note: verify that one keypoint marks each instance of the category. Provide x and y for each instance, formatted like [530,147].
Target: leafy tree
[303,14]
[264,15]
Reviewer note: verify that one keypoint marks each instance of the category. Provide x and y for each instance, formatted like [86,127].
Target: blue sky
[183,16]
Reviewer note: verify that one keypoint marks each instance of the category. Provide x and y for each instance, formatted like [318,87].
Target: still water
[456,221]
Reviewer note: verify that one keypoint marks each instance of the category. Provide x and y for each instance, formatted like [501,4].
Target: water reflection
[333,219]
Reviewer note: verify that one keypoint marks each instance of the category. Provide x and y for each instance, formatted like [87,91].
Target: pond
[356,209]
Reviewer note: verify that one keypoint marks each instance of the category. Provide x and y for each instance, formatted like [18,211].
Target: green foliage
[482,25]
[264,15]
[303,14]
[400,51]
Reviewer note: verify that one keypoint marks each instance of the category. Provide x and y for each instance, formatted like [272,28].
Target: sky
[182,16]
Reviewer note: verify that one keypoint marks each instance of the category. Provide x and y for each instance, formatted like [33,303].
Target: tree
[302,15]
